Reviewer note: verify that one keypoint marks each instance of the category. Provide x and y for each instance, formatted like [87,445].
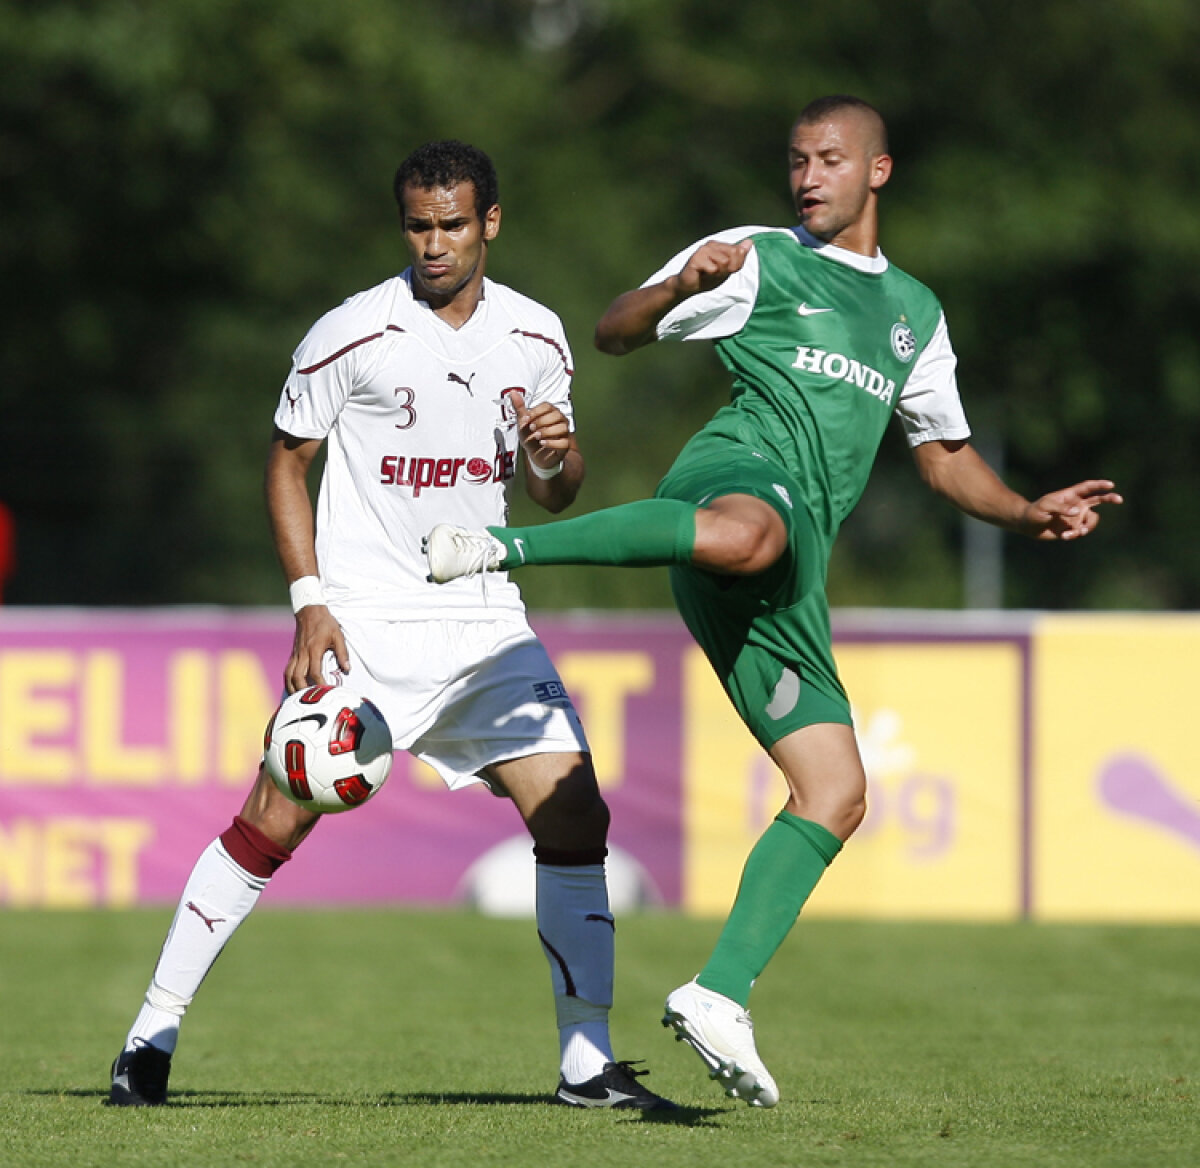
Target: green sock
[781,871]
[643,534]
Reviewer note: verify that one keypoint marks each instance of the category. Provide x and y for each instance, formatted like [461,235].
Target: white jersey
[420,430]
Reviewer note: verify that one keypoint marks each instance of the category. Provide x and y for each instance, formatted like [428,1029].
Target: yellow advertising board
[1116,807]
[940,725]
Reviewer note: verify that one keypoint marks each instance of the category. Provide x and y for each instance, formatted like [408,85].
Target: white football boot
[721,1033]
[454,551]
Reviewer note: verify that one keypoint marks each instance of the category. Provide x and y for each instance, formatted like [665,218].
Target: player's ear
[880,170]
[491,222]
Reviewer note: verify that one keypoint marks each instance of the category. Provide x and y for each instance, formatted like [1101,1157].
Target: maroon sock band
[251,849]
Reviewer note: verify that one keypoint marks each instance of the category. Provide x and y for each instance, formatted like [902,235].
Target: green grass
[413,1038]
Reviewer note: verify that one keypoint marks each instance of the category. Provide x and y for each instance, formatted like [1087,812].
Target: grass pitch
[426,1038]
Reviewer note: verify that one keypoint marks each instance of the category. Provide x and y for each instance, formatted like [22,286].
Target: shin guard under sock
[780,873]
[221,891]
[577,934]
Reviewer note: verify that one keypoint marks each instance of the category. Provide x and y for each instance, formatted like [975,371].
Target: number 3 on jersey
[405,408]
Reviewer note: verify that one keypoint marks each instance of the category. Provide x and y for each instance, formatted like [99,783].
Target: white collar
[874,265]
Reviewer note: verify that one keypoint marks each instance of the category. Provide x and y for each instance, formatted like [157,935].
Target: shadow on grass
[688,1116]
[180,1100]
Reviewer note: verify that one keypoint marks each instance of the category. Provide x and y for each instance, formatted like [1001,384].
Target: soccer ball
[328,749]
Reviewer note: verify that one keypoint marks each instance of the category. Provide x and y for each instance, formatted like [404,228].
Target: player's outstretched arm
[956,471]
[289,511]
[631,319]
[549,444]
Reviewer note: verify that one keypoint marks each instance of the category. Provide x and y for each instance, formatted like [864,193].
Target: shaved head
[837,164]
[869,120]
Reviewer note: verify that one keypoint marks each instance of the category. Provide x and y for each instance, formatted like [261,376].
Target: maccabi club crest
[904,342]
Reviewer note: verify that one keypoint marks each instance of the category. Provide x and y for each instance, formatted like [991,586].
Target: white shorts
[461,694]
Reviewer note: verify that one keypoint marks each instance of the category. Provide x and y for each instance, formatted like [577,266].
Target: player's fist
[711,264]
[543,431]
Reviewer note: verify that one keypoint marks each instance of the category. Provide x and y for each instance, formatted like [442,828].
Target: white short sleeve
[721,312]
[930,408]
[319,382]
[557,369]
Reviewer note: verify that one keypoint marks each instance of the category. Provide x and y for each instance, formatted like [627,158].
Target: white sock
[584,1050]
[218,896]
[577,934]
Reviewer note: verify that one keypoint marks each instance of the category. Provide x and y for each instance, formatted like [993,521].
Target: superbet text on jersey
[421,430]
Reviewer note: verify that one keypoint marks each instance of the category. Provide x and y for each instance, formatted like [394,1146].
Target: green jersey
[823,346]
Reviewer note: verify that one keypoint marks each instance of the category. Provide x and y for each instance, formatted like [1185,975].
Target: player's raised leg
[220,893]
[561,804]
[647,533]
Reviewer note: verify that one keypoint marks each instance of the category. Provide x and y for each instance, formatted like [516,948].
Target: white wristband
[305,591]
[546,472]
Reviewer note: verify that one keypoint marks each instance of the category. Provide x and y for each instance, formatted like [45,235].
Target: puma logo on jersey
[809,310]
[466,381]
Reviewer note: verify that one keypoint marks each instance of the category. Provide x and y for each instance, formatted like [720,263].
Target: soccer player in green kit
[824,340]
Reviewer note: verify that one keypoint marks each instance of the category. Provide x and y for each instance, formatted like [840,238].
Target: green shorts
[767,636]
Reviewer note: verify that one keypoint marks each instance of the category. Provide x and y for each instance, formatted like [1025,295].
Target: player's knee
[277,817]
[574,817]
[586,813]
[848,815]
[744,544]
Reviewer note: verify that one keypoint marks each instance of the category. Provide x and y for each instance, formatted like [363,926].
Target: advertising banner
[940,726]
[1117,805]
[128,741]
[1032,766]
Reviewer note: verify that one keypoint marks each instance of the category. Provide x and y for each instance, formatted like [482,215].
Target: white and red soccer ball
[328,749]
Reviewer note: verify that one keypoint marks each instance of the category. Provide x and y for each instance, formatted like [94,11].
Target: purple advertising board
[129,739]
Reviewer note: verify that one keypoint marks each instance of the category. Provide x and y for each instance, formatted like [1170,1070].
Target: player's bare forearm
[558,493]
[289,509]
[290,513]
[631,319]
[956,471]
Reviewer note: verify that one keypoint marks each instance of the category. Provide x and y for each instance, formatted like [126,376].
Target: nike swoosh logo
[808,310]
[320,720]
[616,1096]
[609,1098]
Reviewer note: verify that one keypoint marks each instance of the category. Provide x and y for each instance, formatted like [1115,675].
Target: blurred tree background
[185,187]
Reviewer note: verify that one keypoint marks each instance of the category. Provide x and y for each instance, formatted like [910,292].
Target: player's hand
[1071,512]
[317,633]
[711,264]
[543,431]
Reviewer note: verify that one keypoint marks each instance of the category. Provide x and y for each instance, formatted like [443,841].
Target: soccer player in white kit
[428,390]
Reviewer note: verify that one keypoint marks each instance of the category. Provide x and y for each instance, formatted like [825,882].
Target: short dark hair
[823,108]
[447,164]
